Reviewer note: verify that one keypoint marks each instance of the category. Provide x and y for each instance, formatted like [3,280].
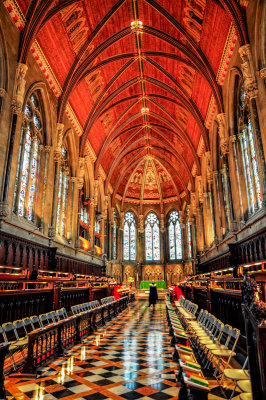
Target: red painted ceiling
[154,66]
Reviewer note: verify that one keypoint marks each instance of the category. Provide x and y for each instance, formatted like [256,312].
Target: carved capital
[4,212]
[225,146]
[2,92]
[16,107]
[250,83]
[51,231]
[209,166]
[141,223]
[47,149]
[20,82]
[59,136]
[57,156]
[262,73]
[200,190]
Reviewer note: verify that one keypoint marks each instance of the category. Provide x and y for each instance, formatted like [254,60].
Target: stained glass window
[249,156]
[129,237]
[174,236]
[84,216]
[28,161]
[152,238]
[97,226]
[62,197]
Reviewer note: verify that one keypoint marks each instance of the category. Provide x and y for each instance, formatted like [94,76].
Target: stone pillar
[120,237]
[162,240]
[72,216]
[16,110]
[47,150]
[212,215]
[40,193]
[2,96]
[57,164]
[92,223]
[236,163]
[140,249]
[218,204]
[206,217]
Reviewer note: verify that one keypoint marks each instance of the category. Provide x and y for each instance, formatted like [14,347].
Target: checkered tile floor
[129,358]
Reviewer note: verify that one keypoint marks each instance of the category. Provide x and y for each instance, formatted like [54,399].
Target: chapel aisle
[129,358]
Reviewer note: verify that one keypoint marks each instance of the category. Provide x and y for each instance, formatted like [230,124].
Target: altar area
[145,285]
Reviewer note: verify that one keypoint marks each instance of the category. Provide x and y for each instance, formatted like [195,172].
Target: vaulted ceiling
[143,79]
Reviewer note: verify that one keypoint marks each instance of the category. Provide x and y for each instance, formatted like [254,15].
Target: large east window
[28,160]
[152,238]
[174,236]
[129,238]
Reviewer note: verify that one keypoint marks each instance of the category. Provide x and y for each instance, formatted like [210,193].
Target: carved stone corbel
[59,137]
[4,212]
[141,223]
[209,166]
[250,83]
[19,88]
[81,172]
[2,92]
[224,141]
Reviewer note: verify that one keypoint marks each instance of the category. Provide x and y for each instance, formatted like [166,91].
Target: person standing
[153,296]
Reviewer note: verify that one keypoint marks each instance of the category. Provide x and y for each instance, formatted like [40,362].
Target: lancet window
[27,173]
[249,155]
[130,237]
[152,238]
[174,236]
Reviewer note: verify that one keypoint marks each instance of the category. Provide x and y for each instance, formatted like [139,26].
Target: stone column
[251,88]
[92,223]
[162,239]
[72,214]
[212,215]
[2,96]
[47,150]
[184,237]
[140,249]
[120,237]
[236,162]
[206,217]
[16,111]
[57,164]
[40,185]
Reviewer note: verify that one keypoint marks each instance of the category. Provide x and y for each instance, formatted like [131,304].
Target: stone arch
[260,38]
[48,122]
[4,67]
[71,147]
